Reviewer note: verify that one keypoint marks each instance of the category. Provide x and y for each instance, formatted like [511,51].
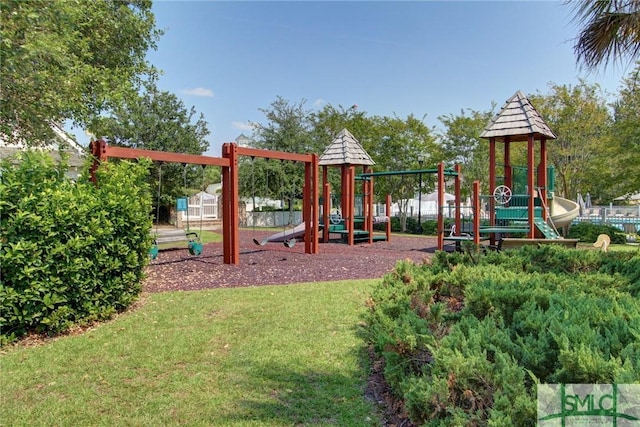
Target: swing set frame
[230,186]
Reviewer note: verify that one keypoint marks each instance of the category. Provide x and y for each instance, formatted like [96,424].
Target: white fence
[203,205]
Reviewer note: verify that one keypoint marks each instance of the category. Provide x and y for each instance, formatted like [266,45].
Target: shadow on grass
[291,396]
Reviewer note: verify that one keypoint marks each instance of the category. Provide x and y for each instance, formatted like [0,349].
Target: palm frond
[611,31]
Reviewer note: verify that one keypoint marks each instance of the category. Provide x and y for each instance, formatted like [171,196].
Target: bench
[466,236]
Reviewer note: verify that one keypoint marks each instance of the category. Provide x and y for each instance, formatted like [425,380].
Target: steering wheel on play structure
[335,216]
[502,194]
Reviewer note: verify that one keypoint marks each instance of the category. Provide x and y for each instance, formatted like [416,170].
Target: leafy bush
[70,251]
[465,340]
[429,227]
[588,232]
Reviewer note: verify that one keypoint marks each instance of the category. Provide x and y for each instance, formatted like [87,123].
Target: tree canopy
[158,120]
[69,60]
[461,143]
[626,132]
[581,155]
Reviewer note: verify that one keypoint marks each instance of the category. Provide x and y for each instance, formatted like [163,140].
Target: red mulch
[275,264]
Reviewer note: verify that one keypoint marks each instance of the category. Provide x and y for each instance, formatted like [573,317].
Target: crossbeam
[103,152]
[447,172]
[271,154]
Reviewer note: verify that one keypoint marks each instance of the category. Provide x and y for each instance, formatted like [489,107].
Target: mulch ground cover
[274,263]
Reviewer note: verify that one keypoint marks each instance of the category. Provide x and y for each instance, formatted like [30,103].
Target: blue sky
[229,59]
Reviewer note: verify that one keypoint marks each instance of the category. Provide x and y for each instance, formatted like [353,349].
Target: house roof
[345,150]
[516,121]
[62,143]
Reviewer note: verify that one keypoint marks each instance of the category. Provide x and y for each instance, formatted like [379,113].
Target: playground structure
[346,153]
[355,220]
[230,200]
[534,211]
[442,173]
[519,204]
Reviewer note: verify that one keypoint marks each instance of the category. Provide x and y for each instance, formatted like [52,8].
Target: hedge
[70,252]
[465,340]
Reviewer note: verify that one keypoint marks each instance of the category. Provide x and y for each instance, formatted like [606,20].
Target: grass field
[261,356]
[206,236]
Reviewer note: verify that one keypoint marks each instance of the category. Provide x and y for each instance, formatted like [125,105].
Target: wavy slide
[563,211]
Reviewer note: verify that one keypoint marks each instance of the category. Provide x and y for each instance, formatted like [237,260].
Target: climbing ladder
[547,230]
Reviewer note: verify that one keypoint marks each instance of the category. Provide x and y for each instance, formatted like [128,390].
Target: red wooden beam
[440,206]
[457,192]
[326,203]
[476,212]
[542,176]
[278,155]
[230,218]
[103,151]
[531,184]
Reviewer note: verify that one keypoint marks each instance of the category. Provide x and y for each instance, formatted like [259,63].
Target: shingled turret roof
[345,150]
[516,121]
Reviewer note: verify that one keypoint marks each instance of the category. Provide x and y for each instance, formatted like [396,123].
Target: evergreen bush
[588,232]
[465,340]
[70,252]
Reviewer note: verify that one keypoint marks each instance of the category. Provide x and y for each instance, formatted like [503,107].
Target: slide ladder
[548,231]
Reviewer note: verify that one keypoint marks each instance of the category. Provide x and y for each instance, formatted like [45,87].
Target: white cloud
[242,126]
[199,91]
[319,102]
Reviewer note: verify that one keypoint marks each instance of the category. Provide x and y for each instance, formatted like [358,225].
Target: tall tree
[158,120]
[398,144]
[626,134]
[581,154]
[461,143]
[69,60]
[288,128]
[611,31]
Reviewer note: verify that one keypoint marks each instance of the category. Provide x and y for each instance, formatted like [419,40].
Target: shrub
[429,227]
[465,341]
[70,252]
[588,232]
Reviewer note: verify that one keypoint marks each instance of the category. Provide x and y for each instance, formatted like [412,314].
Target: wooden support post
[440,206]
[313,225]
[326,203]
[388,212]
[230,217]
[370,213]
[508,170]
[351,201]
[476,212]
[457,192]
[542,176]
[531,184]
[492,186]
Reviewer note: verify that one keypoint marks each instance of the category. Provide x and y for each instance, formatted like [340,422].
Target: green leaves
[69,60]
[465,343]
[70,252]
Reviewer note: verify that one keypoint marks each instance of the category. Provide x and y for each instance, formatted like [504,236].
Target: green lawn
[260,356]
[612,248]
[206,236]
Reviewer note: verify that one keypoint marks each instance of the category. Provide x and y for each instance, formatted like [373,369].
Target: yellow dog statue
[602,242]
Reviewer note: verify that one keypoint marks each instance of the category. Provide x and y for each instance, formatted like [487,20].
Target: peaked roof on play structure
[345,150]
[516,121]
